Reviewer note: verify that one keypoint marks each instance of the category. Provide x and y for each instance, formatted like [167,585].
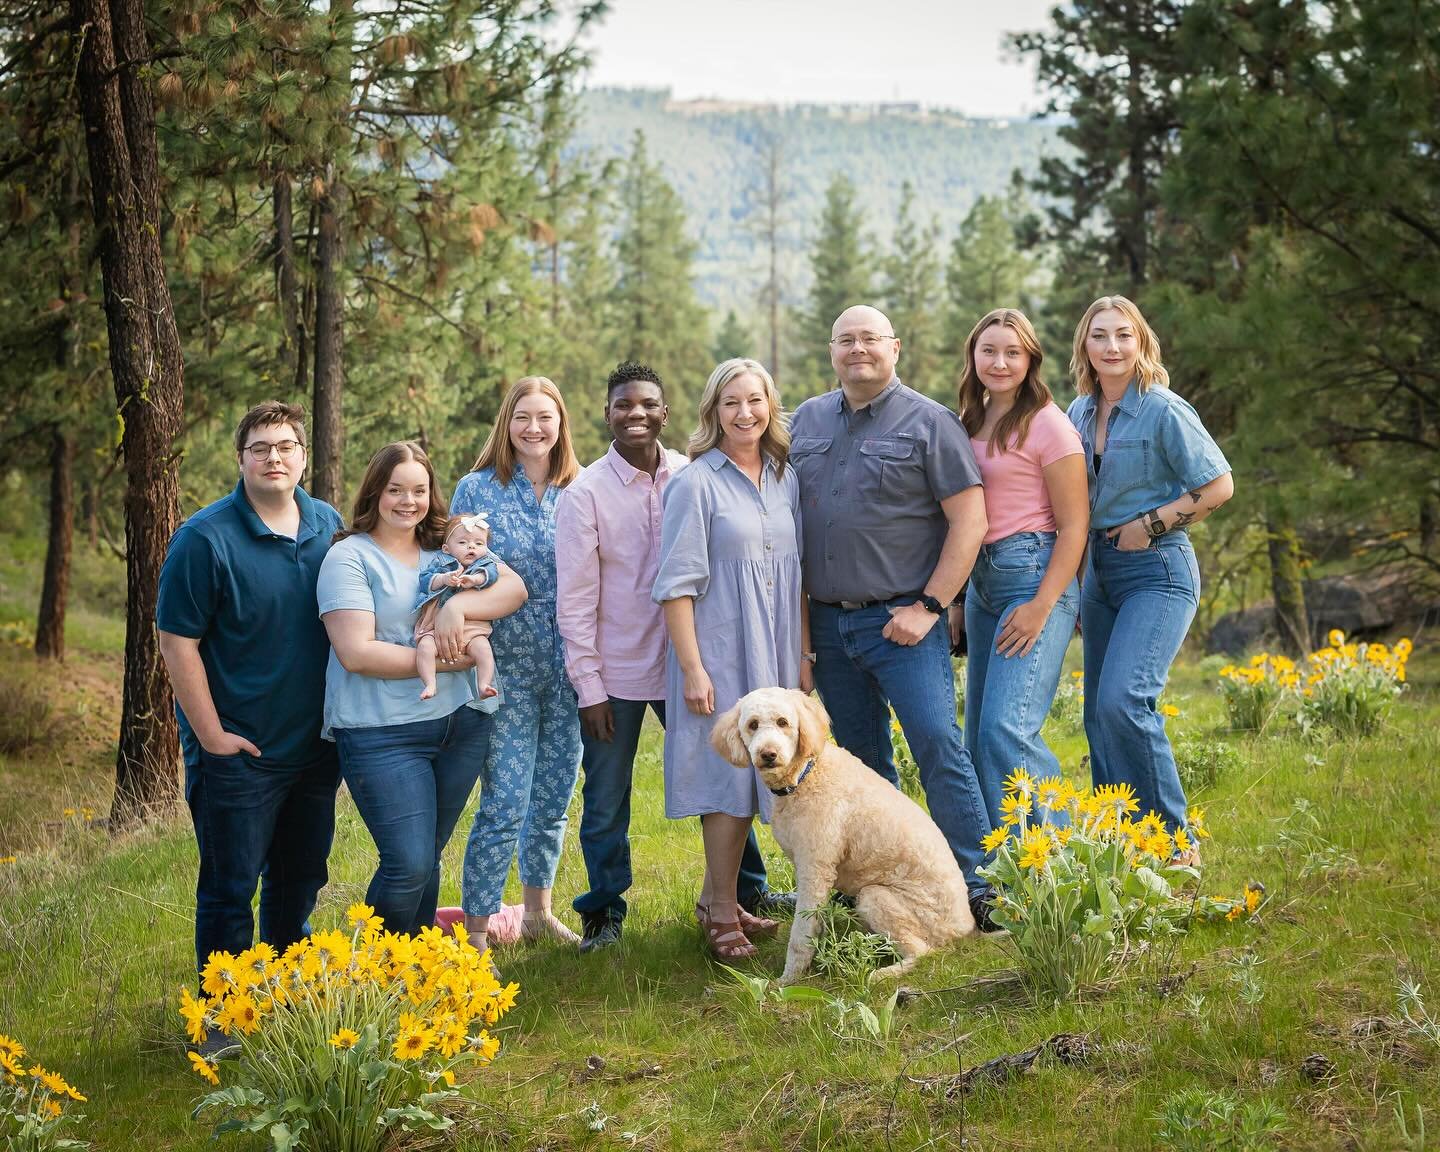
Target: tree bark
[1287,586]
[145,360]
[327,434]
[50,627]
[287,283]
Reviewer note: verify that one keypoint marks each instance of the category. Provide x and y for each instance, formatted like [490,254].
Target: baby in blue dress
[464,561]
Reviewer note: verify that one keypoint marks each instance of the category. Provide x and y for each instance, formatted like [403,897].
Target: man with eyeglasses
[893,518]
[242,640]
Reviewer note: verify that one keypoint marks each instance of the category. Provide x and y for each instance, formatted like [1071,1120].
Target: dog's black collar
[798,780]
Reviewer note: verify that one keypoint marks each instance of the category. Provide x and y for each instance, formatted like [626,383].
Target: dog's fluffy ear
[725,738]
[814,724]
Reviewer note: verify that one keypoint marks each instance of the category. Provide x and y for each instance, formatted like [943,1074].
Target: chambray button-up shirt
[871,482]
[1155,449]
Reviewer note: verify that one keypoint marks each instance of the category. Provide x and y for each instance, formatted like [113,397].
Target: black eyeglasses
[261,449]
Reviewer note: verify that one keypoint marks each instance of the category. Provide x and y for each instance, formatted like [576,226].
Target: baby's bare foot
[487,691]
[428,693]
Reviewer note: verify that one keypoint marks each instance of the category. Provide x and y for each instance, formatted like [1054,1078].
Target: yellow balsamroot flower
[1336,638]
[1036,848]
[1195,819]
[1015,805]
[12,1048]
[204,1068]
[1403,648]
[13,1068]
[450,1037]
[1235,912]
[52,1108]
[995,838]
[1169,710]
[486,1045]
[1159,845]
[1151,823]
[220,974]
[505,999]
[54,1083]
[345,1038]
[1020,781]
[1252,899]
[1051,793]
[413,1043]
[194,1012]
[1183,843]
[1119,798]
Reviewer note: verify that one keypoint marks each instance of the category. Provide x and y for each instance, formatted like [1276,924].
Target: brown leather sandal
[756,925]
[725,939]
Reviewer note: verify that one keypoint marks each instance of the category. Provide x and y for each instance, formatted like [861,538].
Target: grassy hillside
[713,154]
[652,1046]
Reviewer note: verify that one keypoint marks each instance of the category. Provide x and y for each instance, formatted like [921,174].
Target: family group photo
[626,574]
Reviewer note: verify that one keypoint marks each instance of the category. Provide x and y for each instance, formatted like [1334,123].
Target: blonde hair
[774,441]
[499,452]
[1032,395]
[1149,372]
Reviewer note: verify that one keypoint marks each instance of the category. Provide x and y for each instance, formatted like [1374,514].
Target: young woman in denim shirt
[1023,599]
[1154,471]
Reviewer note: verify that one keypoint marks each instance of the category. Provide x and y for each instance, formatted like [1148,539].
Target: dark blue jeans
[605,818]
[265,824]
[1134,612]
[860,674]
[410,783]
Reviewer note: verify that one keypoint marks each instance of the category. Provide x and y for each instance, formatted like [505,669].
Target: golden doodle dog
[845,827]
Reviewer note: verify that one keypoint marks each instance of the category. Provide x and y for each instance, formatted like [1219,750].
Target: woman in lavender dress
[729,581]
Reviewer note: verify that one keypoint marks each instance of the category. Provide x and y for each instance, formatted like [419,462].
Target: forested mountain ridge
[715,154]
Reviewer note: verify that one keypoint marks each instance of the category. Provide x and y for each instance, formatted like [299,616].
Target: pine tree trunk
[327,433]
[287,285]
[145,361]
[1287,585]
[50,627]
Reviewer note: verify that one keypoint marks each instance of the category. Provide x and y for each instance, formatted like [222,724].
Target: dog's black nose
[768,757]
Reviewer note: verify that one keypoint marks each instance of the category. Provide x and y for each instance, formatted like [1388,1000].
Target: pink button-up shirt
[607,552]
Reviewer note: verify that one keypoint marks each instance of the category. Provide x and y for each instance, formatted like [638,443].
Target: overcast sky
[946,52]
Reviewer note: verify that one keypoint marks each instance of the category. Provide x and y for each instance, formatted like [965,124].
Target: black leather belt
[856,605]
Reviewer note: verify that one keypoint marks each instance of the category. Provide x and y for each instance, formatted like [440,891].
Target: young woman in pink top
[1022,600]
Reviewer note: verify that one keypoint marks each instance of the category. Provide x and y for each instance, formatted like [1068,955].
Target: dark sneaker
[770,904]
[601,931]
[218,1046]
[983,911]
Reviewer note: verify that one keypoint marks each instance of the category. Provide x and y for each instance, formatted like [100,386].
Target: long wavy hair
[499,451]
[1032,395]
[430,532]
[1149,371]
[774,441]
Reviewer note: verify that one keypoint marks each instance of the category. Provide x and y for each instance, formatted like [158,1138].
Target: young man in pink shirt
[607,551]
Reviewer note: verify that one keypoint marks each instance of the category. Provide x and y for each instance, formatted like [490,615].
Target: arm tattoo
[1183,518]
[1195,496]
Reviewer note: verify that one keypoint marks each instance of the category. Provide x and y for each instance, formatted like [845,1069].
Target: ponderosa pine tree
[910,288]
[841,266]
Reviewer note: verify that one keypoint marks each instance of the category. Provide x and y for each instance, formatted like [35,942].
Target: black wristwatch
[931,604]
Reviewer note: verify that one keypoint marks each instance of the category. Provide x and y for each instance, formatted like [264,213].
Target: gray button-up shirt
[871,482]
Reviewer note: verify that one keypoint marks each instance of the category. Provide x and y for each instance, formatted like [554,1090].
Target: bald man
[893,518]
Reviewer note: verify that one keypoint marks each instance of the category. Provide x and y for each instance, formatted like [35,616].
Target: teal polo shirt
[248,595]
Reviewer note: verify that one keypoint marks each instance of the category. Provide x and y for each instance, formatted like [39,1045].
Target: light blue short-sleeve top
[1155,449]
[361,576]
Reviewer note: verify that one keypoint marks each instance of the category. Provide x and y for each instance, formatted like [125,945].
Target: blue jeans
[605,818]
[1008,698]
[860,674]
[1134,612]
[262,823]
[410,783]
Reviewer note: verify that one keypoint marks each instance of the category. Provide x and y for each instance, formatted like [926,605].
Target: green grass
[95,939]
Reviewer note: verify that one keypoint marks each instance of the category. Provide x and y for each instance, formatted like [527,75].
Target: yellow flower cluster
[1277,669]
[31,1091]
[441,986]
[1339,657]
[1102,815]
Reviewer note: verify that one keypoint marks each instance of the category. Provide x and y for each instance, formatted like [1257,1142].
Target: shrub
[1202,762]
[1350,687]
[27,713]
[1072,895]
[1198,1120]
[343,1039]
[1068,707]
[844,949]
[1253,694]
[34,1103]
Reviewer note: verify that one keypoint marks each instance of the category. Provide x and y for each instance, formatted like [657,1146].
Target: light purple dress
[735,549]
